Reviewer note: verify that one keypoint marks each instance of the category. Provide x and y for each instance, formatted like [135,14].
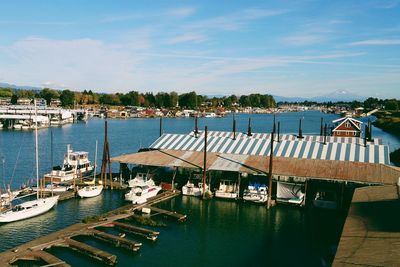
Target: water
[217,233]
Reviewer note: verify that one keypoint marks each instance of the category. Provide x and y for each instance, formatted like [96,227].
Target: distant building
[55,102]
[347,127]
[24,101]
[5,101]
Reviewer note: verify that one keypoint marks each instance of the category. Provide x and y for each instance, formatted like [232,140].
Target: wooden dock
[371,234]
[135,230]
[178,216]
[34,250]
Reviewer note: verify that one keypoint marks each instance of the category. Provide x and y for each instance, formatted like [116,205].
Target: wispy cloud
[377,42]
[387,4]
[301,40]
[236,20]
[181,12]
[188,37]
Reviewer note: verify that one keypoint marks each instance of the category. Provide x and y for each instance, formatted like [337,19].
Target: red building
[347,127]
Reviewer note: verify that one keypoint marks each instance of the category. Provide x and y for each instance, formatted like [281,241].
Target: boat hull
[226,195]
[90,191]
[30,209]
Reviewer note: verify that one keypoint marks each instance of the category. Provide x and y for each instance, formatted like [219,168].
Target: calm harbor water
[217,233]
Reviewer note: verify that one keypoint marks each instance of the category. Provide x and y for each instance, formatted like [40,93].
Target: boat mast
[95,163]
[36,150]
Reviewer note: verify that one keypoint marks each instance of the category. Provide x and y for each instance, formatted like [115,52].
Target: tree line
[190,100]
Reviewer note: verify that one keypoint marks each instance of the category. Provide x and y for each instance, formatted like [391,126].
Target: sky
[287,48]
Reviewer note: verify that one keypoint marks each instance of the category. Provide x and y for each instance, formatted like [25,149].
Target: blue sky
[288,48]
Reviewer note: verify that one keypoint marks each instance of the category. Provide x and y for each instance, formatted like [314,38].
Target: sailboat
[34,207]
[91,190]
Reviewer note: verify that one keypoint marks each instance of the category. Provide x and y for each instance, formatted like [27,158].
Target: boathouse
[312,157]
[347,127]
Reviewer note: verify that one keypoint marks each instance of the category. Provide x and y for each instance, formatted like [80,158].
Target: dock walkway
[371,234]
[33,250]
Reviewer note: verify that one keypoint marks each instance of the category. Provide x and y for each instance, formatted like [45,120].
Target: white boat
[140,180]
[52,188]
[90,191]
[76,164]
[1,125]
[34,207]
[256,193]
[190,189]
[28,209]
[17,126]
[227,189]
[289,193]
[140,194]
[325,200]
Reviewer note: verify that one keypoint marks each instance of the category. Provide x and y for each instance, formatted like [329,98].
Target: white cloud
[377,42]
[188,37]
[300,40]
[181,12]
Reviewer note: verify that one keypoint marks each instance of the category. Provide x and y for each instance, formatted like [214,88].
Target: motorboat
[227,189]
[140,194]
[290,193]
[190,189]
[76,164]
[140,180]
[90,191]
[256,193]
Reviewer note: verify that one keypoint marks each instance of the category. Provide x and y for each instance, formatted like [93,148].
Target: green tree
[6,92]
[67,98]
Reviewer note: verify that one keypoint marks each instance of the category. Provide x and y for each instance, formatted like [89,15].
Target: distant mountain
[24,87]
[336,96]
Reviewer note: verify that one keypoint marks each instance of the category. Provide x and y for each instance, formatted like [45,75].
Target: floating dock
[34,250]
[179,217]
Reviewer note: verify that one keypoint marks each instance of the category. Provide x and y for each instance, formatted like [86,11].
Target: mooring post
[271,155]
[365,135]
[249,128]
[196,128]
[205,160]
[321,130]
[279,129]
[300,136]
[325,134]
[370,131]
[234,127]
[161,130]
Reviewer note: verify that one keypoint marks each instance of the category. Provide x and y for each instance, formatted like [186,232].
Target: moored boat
[140,194]
[90,191]
[227,189]
[76,164]
[256,193]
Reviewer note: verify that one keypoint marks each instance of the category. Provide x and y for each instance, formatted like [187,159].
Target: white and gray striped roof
[310,147]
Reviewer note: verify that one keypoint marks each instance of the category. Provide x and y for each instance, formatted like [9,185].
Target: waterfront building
[347,127]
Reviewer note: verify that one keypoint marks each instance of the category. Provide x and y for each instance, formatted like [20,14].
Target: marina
[250,156]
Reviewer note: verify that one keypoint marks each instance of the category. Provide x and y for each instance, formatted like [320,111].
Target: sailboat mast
[36,150]
[95,163]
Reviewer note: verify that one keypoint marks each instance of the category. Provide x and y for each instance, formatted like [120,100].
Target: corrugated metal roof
[309,168]
[310,147]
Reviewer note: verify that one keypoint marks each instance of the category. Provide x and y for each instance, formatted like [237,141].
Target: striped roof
[310,147]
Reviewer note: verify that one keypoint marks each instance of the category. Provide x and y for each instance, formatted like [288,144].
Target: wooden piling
[115,240]
[205,160]
[135,230]
[178,216]
[90,251]
[270,171]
